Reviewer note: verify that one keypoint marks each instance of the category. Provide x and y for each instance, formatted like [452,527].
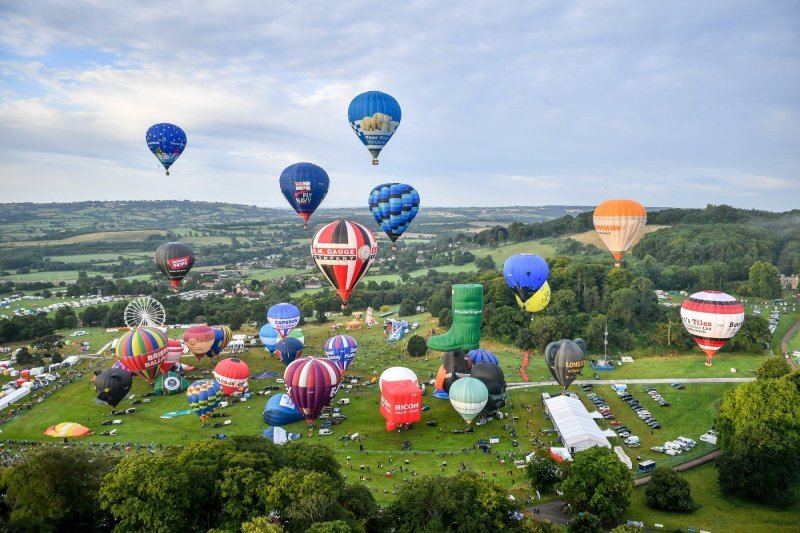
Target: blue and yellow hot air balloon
[394,206]
[374,117]
[526,274]
[204,397]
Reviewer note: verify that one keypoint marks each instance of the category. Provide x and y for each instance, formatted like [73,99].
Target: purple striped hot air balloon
[311,384]
[341,349]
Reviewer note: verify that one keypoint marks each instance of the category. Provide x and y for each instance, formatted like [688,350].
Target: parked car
[431,423]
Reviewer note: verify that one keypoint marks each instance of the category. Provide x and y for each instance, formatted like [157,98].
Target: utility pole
[605,343]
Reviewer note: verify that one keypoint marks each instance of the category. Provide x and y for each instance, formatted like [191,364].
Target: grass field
[52,275]
[105,258]
[591,236]
[104,236]
[717,512]
[501,253]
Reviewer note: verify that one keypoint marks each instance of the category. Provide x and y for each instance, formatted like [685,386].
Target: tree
[598,483]
[759,433]
[303,497]
[764,280]
[56,357]
[544,471]
[56,490]
[407,307]
[585,523]
[628,528]
[485,263]
[773,368]
[65,318]
[261,524]
[336,526]
[669,491]
[417,347]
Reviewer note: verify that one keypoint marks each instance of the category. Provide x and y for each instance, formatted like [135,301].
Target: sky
[557,102]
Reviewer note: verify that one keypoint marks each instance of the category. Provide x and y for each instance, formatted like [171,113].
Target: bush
[417,346]
[669,491]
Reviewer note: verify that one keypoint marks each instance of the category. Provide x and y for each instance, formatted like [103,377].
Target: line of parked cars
[641,412]
[675,447]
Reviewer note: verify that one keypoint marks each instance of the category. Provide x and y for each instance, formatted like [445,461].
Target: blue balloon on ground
[167,142]
[482,356]
[280,411]
[304,185]
[525,274]
[289,349]
[278,435]
[269,337]
[440,394]
[374,117]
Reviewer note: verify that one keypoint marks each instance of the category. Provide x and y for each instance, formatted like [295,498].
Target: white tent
[573,422]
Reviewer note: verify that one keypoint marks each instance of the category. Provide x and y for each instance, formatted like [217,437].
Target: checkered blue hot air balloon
[482,356]
[204,397]
[304,185]
[167,142]
[374,117]
[394,206]
[341,349]
[283,317]
[269,337]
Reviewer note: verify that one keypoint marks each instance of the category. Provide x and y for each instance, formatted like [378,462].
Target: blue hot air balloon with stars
[374,117]
[394,206]
[167,142]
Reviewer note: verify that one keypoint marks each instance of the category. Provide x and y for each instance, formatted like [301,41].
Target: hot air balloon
[341,349]
[142,350]
[232,374]
[397,373]
[565,359]
[288,349]
[525,274]
[112,385]
[468,397]
[401,403]
[482,356]
[278,435]
[174,260]
[343,251]
[492,376]
[222,336]
[374,117]
[297,333]
[304,185]
[170,383]
[456,365]
[280,411]
[167,142]
[711,318]
[67,429]
[620,224]
[283,317]
[269,337]
[204,397]
[394,206]
[199,339]
[538,301]
[174,353]
[312,383]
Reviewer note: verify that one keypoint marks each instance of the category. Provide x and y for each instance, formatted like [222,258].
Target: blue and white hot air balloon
[374,117]
[278,435]
[394,206]
[341,349]
[482,356]
[280,410]
[269,337]
[283,317]
[167,142]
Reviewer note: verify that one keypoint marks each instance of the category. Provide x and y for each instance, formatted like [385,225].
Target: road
[522,385]
[785,341]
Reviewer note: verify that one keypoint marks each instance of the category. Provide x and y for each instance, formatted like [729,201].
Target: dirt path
[785,342]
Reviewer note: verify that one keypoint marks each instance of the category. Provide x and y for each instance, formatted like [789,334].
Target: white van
[687,441]
[325,431]
[632,441]
[343,401]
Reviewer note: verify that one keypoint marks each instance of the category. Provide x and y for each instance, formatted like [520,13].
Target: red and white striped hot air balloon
[343,251]
[620,224]
[712,318]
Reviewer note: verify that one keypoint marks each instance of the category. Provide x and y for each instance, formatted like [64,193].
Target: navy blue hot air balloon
[289,349]
[280,411]
[374,116]
[167,142]
[304,185]
[525,274]
[394,206]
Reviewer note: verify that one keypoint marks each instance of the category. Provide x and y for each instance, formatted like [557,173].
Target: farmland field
[102,236]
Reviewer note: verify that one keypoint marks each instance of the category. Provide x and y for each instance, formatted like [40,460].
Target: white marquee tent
[573,422]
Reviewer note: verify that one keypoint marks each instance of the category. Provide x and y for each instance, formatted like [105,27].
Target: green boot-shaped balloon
[465,333]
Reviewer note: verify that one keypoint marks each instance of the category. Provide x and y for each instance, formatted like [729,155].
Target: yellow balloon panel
[538,301]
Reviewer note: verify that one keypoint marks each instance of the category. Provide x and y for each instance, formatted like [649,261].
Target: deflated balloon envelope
[492,376]
[112,385]
[456,365]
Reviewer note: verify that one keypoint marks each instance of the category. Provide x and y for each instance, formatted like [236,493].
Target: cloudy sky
[504,103]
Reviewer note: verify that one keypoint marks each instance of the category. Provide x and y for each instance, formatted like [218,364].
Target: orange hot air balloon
[620,223]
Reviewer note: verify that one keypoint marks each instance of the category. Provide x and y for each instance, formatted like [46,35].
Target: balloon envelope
[199,339]
[167,142]
[304,185]
[174,353]
[492,376]
[482,356]
[397,373]
[67,429]
[394,206]
[169,384]
[565,359]
[112,385]
[343,251]
[374,117]
[269,337]
[620,224]
[712,318]
[525,274]
[538,301]
[283,317]
[204,397]
[232,374]
[468,397]
[401,403]
[174,260]
[278,435]
[142,350]
[280,410]
[288,349]
[341,349]
[312,383]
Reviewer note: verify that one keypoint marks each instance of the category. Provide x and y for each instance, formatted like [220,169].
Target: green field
[60,275]
[717,512]
[105,258]
[501,253]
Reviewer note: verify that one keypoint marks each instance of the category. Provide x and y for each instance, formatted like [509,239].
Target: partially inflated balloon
[712,318]
[374,117]
[620,224]
[312,383]
[456,365]
[280,410]
[199,339]
[169,384]
[167,142]
[401,403]
[538,301]
[394,206]
[304,185]
[341,349]
[343,251]
[565,359]
[525,274]
[174,353]
[174,260]
[492,376]
[222,336]
[289,349]
[482,356]
[284,318]
[278,435]
[112,385]
[204,397]
[468,397]
[397,373]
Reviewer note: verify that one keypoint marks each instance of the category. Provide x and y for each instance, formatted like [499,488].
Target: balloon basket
[167,172]
[375,161]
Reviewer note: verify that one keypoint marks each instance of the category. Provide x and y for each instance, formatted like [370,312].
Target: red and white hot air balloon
[174,353]
[232,374]
[712,318]
[312,383]
[343,251]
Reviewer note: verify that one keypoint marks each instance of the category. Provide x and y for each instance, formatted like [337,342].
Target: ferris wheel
[145,311]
